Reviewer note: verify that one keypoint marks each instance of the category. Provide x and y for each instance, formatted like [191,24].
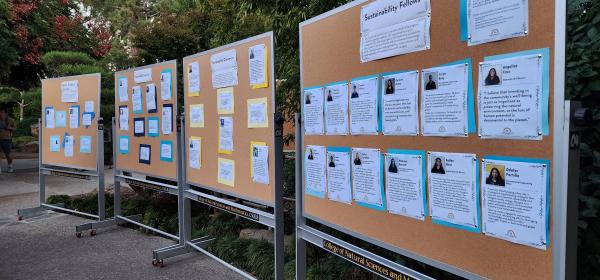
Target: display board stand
[273,220]
[51,170]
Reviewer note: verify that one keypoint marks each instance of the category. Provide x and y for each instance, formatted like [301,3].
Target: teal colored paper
[124,152]
[167,159]
[472,127]
[82,149]
[55,143]
[63,122]
[383,206]
[545,52]
[158,127]
[533,160]
[464,21]
[423,171]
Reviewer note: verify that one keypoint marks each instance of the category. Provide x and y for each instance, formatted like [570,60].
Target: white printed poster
[136,97]
[195,153]
[391,27]
[193,79]
[366,176]
[196,115]
[509,97]
[404,184]
[74,117]
[490,21]
[314,170]
[123,95]
[142,75]
[257,65]
[69,145]
[338,176]
[123,118]
[364,116]
[453,189]
[165,85]
[49,117]
[336,109]
[313,111]
[444,101]
[400,103]
[225,135]
[151,98]
[514,201]
[260,163]
[224,69]
[69,91]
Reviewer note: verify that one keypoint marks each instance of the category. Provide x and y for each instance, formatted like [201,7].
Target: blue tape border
[124,152]
[423,155]
[471,123]
[381,86]
[80,146]
[171,89]
[59,145]
[533,160]
[545,52]
[142,101]
[464,20]
[148,126]
[166,142]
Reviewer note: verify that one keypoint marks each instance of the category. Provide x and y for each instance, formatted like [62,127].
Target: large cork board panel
[330,53]
[206,176]
[130,162]
[88,90]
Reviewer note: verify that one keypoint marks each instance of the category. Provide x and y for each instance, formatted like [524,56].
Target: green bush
[19,141]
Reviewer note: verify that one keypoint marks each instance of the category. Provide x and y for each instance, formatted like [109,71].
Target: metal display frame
[138,179]
[391,270]
[71,172]
[274,220]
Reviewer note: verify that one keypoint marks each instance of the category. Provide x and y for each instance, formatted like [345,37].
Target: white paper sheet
[124,118]
[165,86]
[226,172]
[313,111]
[257,64]
[452,188]
[142,76]
[194,78]
[390,28]
[224,69]
[509,100]
[225,101]
[400,104]
[89,106]
[195,152]
[49,117]
[123,94]
[85,144]
[86,119]
[153,128]
[151,97]
[124,144]
[54,143]
[444,101]
[145,153]
[74,117]
[69,144]
[338,177]
[514,202]
[166,151]
[260,164]
[167,120]
[496,20]
[225,134]
[314,162]
[138,126]
[257,113]
[336,109]
[364,116]
[69,91]
[136,97]
[404,185]
[197,115]
[366,176]
[61,118]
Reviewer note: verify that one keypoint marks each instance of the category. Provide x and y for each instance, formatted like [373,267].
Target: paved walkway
[45,247]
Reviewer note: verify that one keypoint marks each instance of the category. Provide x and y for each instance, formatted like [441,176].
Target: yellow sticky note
[257,113]
[225,101]
[196,115]
[226,172]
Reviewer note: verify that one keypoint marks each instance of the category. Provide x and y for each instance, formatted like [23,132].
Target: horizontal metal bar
[171,251]
[56,172]
[318,238]
[146,184]
[241,272]
[175,237]
[105,223]
[243,211]
[70,211]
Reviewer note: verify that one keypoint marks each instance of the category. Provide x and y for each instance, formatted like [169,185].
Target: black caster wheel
[93,232]
[19,218]
[78,234]
[154,262]
[160,263]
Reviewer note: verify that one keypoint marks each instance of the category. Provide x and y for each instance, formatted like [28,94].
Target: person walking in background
[7,126]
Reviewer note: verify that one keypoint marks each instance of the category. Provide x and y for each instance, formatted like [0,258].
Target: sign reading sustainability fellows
[514,200]
[509,97]
[444,101]
[453,195]
[400,95]
[392,27]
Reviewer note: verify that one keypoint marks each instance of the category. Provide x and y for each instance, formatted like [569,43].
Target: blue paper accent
[364,78]
[533,160]
[158,127]
[423,171]
[81,148]
[313,87]
[336,83]
[464,21]
[62,144]
[383,206]
[54,139]
[472,126]
[307,190]
[545,52]
[63,123]
[170,143]
[478,195]
[124,152]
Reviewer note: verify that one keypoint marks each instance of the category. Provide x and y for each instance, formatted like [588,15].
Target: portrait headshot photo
[354,91]
[357,160]
[438,165]
[190,69]
[493,77]
[495,175]
[310,154]
[392,168]
[329,97]
[390,85]
[254,152]
[251,54]
[331,161]
[307,99]
[431,80]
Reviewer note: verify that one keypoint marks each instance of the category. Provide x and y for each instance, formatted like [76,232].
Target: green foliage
[54,60]
[9,55]
[19,141]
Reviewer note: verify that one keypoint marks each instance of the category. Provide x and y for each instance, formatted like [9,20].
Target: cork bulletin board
[88,90]
[330,53]
[207,175]
[130,160]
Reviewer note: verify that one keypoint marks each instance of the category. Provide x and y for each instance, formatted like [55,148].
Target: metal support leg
[300,221]
[100,167]
[279,215]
